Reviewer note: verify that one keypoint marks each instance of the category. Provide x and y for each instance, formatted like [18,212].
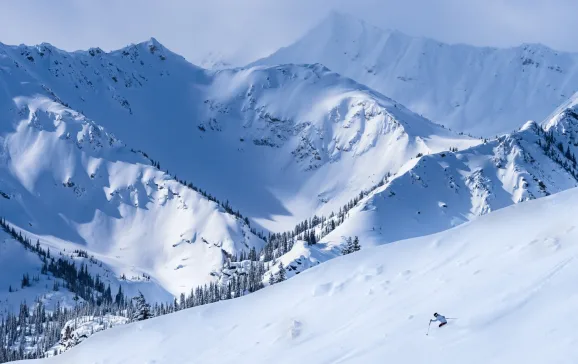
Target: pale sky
[254,28]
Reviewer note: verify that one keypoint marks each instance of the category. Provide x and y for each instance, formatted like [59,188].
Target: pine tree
[281,275]
[142,308]
[25,281]
[348,247]
[119,298]
[182,302]
[355,246]
[312,238]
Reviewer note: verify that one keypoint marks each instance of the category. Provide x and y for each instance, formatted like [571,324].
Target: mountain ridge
[443,190]
[479,90]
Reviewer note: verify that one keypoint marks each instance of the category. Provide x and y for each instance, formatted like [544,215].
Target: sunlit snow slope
[480,90]
[508,278]
[281,143]
[71,183]
[443,190]
[447,189]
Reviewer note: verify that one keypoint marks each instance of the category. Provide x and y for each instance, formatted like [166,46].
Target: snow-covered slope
[447,189]
[484,91]
[508,278]
[77,330]
[16,262]
[66,180]
[443,190]
[281,143]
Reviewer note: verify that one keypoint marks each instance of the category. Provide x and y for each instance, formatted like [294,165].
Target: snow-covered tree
[355,246]
[281,275]
[351,246]
[142,308]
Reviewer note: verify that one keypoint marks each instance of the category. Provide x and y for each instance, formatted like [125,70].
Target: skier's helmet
[436,314]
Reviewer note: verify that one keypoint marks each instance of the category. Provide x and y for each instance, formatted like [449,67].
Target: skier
[442,319]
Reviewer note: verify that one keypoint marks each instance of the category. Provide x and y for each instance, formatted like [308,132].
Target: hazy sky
[254,28]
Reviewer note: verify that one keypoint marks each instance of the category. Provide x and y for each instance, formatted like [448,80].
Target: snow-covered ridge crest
[565,118]
[442,190]
[332,114]
[480,90]
[446,189]
[281,131]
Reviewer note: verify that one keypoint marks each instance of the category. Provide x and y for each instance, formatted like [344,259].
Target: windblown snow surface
[482,90]
[508,278]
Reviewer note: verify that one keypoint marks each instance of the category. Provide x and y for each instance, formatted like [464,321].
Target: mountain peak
[447,83]
[153,42]
[565,117]
[340,24]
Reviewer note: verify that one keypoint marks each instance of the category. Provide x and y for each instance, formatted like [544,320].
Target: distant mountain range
[480,90]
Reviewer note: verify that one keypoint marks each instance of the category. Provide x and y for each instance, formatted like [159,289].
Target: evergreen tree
[142,308]
[119,298]
[25,281]
[182,302]
[355,246]
[281,275]
[312,238]
[348,247]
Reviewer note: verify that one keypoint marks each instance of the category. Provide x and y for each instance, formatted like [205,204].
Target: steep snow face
[484,91]
[67,181]
[308,140]
[506,280]
[447,189]
[440,191]
[281,143]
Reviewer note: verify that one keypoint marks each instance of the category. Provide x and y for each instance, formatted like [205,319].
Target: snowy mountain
[447,189]
[280,143]
[506,280]
[215,61]
[296,140]
[68,182]
[213,157]
[443,190]
[480,90]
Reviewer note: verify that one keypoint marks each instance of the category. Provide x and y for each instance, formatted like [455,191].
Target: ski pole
[428,326]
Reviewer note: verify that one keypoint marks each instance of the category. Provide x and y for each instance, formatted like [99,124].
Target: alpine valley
[135,184]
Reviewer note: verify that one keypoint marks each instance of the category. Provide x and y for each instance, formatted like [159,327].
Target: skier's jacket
[440,318]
